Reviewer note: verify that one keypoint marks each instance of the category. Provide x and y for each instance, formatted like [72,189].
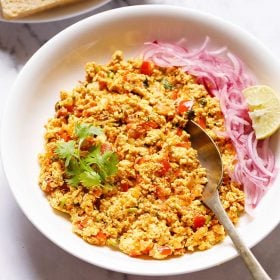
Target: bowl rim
[156,8]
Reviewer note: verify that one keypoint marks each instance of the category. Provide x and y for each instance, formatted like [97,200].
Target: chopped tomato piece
[179,132]
[184,106]
[165,167]
[183,145]
[141,129]
[160,194]
[82,224]
[124,187]
[146,68]
[78,113]
[165,250]
[202,122]
[170,118]
[147,250]
[140,160]
[135,133]
[175,95]
[199,221]
[149,124]
[64,135]
[102,85]
[69,108]
[101,235]
[177,173]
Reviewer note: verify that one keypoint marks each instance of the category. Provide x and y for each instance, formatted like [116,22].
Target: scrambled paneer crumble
[150,204]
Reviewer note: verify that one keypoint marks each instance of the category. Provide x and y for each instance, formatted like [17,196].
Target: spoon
[210,158]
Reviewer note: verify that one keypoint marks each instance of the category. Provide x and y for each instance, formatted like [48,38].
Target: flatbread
[13,9]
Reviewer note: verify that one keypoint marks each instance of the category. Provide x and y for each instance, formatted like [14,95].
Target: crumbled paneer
[154,206]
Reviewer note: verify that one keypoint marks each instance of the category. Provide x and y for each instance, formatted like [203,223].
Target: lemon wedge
[264,109]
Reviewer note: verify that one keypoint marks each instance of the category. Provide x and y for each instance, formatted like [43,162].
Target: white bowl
[60,13]
[59,64]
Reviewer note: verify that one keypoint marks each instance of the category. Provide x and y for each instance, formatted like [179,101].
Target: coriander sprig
[92,169]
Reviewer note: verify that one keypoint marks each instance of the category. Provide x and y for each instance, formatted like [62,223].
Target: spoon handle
[251,262]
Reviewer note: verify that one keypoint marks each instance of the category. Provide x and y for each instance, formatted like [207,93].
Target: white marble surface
[25,254]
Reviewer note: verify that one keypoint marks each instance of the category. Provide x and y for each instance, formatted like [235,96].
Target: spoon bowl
[210,158]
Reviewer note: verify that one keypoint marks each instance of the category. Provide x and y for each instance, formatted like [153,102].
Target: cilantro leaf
[90,178]
[66,150]
[110,161]
[74,168]
[92,169]
[83,130]
[106,163]
[93,155]
[73,172]
[73,181]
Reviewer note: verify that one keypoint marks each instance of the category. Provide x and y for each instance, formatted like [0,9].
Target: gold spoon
[210,158]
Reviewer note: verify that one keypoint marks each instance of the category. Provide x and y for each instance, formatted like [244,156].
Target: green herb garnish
[85,130]
[66,150]
[167,85]
[92,169]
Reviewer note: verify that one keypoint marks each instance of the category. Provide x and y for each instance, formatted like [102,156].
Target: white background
[24,252]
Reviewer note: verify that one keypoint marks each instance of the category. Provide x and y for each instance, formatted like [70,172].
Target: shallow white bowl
[59,64]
